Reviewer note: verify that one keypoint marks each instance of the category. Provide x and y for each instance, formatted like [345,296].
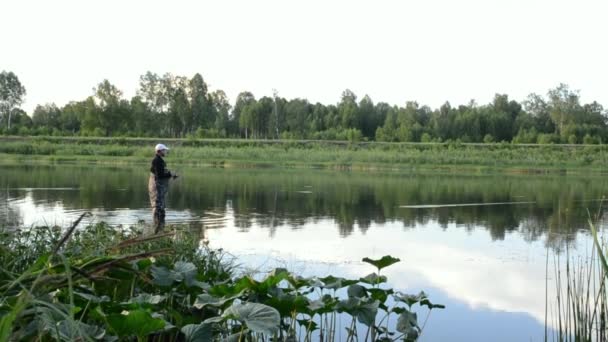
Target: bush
[353,135]
[525,136]
[547,138]
[24,131]
[591,140]
[426,138]
[488,139]
[572,139]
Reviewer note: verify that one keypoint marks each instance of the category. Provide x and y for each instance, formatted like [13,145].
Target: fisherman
[158,185]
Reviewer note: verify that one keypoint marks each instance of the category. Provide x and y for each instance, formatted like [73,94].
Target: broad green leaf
[408,298]
[162,276]
[258,317]
[92,298]
[185,271]
[357,291]
[68,330]
[206,299]
[198,332]
[308,324]
[135,323]
[380,295]
[364,310]
[383,262]
[146,298]
[298,282]
[406,321]
[286,304]
[331,282]
[373,279]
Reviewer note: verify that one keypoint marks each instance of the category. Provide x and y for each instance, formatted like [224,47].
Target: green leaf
[430,305]
[298,282]
[600,252]
[198,332]
[92,298]
[286,304]
[373,279]
[206,299]
[364,310]
[135,323]
[331,282]
[406,321]
[146,298]
[308,324]
[380,295]
[408,298]
[357,291]
[162,276]
[258,317]
[186,272]
[383,262]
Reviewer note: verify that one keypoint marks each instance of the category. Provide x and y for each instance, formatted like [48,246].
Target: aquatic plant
[104,283]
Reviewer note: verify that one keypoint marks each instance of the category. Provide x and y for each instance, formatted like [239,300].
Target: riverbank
[367,156]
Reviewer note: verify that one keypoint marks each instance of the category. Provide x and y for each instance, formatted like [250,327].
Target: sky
[429,51]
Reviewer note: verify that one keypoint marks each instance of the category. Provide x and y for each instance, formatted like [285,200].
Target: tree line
[177,106]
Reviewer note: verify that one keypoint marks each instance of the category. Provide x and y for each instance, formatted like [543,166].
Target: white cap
[161,147]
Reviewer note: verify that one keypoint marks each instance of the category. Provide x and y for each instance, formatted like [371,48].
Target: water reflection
[535,206]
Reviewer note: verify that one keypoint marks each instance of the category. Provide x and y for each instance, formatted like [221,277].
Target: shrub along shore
[312,154]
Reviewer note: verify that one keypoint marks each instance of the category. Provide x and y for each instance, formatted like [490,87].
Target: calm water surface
[476,243]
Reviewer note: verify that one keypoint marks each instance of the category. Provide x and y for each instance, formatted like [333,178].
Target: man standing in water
[158,185]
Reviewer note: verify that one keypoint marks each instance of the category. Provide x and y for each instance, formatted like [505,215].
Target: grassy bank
[320,154]
[106,284]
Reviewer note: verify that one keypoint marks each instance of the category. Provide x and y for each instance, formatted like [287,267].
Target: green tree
[179,113]
[243,100]
[348,110]
[47,116]
[221,108]
[297,113]
[369,117]
[538,108]
[202,110]
[112,114]
[12,93]
[564,106]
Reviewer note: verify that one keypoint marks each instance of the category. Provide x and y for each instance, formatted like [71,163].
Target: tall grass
[580,306]
[313,153]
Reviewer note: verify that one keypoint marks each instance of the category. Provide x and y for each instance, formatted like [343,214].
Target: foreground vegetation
[101,283]
[580,307]
[309,153]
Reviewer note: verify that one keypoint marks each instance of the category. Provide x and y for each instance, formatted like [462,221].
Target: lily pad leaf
[162,276]
[258,317]
[406,321]
[135,323]
[331,282]
[357,291]
[198,332]
[383,262]
[206,299]
[364,310]
[373,279]
[409,299]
